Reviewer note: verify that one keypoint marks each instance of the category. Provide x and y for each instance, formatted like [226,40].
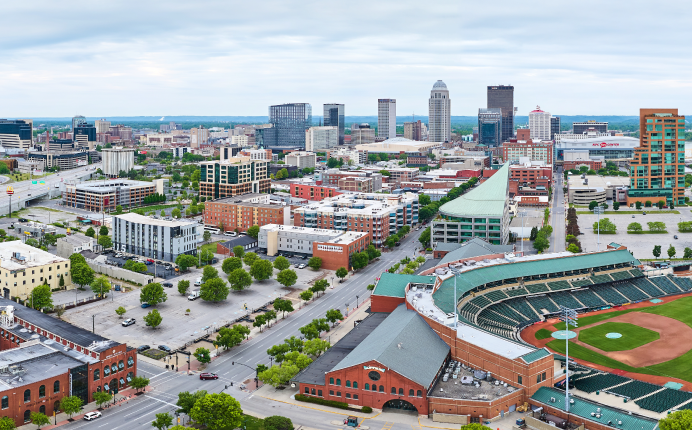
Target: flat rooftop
[111,185]
[33,363]
[453,388]
[142,219]
[240,199]
[31,257]
[576,182]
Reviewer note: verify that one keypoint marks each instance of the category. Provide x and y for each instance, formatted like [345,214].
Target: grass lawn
[632,336]
[210,246]
[543,334]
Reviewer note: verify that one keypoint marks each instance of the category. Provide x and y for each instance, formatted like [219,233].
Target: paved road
[557,239]
[140,413]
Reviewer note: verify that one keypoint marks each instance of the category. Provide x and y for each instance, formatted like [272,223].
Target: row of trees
[687,252]
[154,198]
[655,227]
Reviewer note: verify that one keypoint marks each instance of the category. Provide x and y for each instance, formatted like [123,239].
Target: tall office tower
[321,139]
[334,117]
[386,118]
[413,130]
[15,133]
[77,120]
[539,124]
[554,126]
[658,168]
[439,114]
[502,96]
[591,125]
[102,126]
[289,123]
[84,133]
[490,126]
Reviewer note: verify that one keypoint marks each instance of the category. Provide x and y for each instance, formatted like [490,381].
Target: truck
[194,295]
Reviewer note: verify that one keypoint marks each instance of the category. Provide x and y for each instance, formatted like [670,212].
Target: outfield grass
[633,336]
[585,321]
[543,334]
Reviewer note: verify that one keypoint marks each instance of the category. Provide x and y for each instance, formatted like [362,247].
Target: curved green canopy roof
[487,199]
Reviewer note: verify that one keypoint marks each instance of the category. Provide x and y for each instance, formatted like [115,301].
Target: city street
[559,214]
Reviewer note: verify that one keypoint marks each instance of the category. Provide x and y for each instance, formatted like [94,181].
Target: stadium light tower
[569,317]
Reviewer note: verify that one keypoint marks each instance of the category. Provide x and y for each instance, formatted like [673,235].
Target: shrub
[366,409]
[323,402]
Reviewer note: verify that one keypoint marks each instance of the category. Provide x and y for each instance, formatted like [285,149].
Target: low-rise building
[100,196]
[75,243]
[301,159]
[348,155]
[576,159]
[514,150]
[397,174]
[232,177]
[154,238]
[23,267]
[64,160]
[240,213]
[530,179]
[331,177]
[334,247]
[582,191]
[357,184]
[34,229]
[313,192]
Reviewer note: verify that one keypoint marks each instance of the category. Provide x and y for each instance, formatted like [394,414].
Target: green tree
[281,263]
[39,419]
[320,286]
[276,422]
[278,352]
[120,311]
[253,231]
[90,232]
[238,251]
[283,305]
[592,205]
[573,248]
[359,260]
[634,227]
[153,318]
[687,253]
[260,320]
[206,255]
[239,279]
[657,226]
[315,347]
[214,290]
[250,258]
[183,286]
[185,261]
[217,411]
[162,421]
[341,272]
[230,337]
[61,284]
[616,206]
[208,273]
[100,284]
[261,270]
[230,264]
[294,344]
[153,294]
[82,274]
[391,241]
[657,251]
[206,235]
[186,400]
[638,205]
[300,360]
[680,420]
[287,277]
[279,376]
[102,397]
[541,243]
[604,225]
[140,382]
[42,297]
[7,423]
[105,242]
[315,263]
[534,233]
[671,251]
[202,355]
[371,287]
[373,252]
[175,213]
[474,426]
[334,315]
[163,213]
[424,237]
[661,203]
[71,405]
[306,295]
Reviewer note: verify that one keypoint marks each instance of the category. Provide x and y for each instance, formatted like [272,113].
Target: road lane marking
[159,400]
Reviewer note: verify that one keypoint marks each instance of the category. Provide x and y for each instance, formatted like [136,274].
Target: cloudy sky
[110,58]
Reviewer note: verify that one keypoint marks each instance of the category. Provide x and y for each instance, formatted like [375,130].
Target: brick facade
[313,192]
[241,216]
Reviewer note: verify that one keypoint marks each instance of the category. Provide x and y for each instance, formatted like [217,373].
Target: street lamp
[356,301]
[93,323]
[598,210]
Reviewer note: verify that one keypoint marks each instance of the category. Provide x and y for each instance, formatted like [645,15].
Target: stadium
[629,355]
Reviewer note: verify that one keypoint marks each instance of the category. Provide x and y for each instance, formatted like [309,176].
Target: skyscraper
[539,124]
[289,123]
[334,117]
[77,120]
[658,168]
[502,96]
[439,114]
[490,126]
[386,118]
[554,126]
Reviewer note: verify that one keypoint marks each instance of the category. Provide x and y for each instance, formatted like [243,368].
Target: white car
[302,266]
[92,415]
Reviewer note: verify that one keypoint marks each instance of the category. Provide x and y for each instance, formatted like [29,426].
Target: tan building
[104,196]
[301,159]
[232,177]
[102,126]
[357,184]
[23,267]
[320,139]
[199,136]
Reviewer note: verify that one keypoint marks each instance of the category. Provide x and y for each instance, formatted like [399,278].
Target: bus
[212,230]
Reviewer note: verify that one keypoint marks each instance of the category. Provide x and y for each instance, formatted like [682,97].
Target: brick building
[530,179]
[332,176]
[240,213]
[537,150]
[106,196]
[313,192]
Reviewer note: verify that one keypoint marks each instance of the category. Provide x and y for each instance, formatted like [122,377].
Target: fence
[120,273]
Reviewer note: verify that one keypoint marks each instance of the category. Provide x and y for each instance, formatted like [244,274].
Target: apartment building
[313,192]
[116,160]
[180,151]
[539,124]
[334,247]
[357,157]
[398,174]
[301,159]
[23,268]
[232,177]
[242,212]
[657,171]
[199,136]
[530,178]
[320,139]
[537,150]
[105,196]
[64,160]
[154,238]
[379,215]
[331,177]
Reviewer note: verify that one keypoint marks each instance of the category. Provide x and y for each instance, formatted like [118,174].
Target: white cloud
[236,58]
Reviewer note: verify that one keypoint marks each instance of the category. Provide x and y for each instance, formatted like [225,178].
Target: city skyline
[578,63]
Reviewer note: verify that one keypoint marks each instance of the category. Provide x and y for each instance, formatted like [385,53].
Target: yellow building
[23,267]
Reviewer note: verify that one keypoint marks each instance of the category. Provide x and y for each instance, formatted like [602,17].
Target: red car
[208,376]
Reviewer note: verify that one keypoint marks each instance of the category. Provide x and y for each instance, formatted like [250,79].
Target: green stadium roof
[487,199]
[393,284]
[583,409]
[470,279]
[535,356]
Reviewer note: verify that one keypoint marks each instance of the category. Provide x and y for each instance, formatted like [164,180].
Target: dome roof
[439,85]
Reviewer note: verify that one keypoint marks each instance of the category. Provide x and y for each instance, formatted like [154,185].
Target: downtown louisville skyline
[237,58]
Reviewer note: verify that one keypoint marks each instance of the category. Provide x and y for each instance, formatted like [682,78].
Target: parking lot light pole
[93,323]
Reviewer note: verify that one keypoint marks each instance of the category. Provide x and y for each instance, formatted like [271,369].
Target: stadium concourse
[497,295]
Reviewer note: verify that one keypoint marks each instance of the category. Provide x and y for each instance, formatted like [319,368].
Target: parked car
[165,348]
[205,376]
[198,282]
[229,233]
[302,266]
[92,415]
[145,305]
[675,237]
[193,295]
[23,220]
[398,244]
[167,285]
[128,322]
[234,234]
[143,348]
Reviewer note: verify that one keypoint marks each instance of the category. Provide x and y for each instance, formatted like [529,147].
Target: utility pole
[598,210]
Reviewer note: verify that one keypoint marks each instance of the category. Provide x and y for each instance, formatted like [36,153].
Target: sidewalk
[122,398]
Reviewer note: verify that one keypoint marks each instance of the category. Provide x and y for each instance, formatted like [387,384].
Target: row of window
[374,387]
[27,394]
[539,378]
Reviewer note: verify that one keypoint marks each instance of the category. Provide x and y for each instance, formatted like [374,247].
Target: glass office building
[334,117]
[490,126]
[289,122]
[502,96]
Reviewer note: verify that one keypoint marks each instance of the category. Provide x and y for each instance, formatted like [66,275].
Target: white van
[198,282]
[193,295]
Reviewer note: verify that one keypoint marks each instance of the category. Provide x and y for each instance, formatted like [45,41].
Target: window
[338,381]
[393,390]
[519,380]
[374,376]
[27,396]
[381,388]
[355,397]
[130,361]
[41,391]
[338,394]
[419,393]
[331,392]
[121,365]
[313,391]
[401,391]
[331,381]
[56,387]
[348,383]
[367,386]
[538,378]
[97,374]
[348,395]
[374,387]
[319,393]
[410,393]
[27,416]
[5,402]
[42,409]
[355,384]
[307,390]
[106,371]
[543,376]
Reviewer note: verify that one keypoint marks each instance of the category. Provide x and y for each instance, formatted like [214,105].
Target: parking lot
[177,327]
[641,245]
[162,269]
